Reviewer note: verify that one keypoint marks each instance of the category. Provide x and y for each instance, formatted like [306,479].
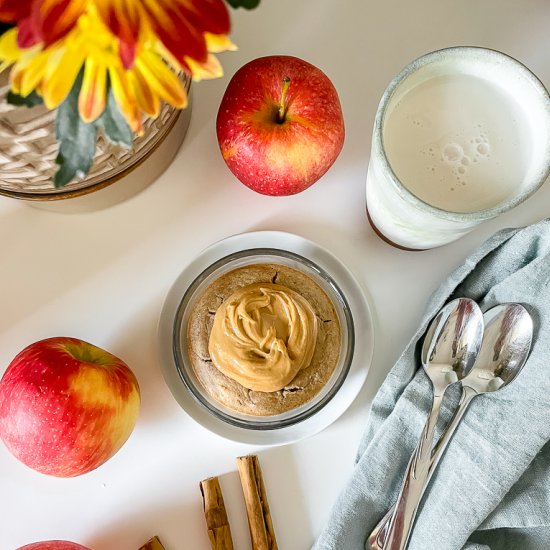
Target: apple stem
[281,114]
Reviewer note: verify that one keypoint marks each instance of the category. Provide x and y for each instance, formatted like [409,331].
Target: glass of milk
[460,136]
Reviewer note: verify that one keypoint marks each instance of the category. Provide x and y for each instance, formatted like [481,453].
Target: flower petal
[60,76]
[209,15]
[93,94]
[14,10]
[205,71]
[125,99]
[124,19]
[147,99]
[9,50]
[33,74]
[53,19]
[217,43]
[177,64]
[127,53]
[16,76]
[180,35]
[27,33]
[161,79]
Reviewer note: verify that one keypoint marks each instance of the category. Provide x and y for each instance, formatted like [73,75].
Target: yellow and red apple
[280,125]
[54,545]
[67,406]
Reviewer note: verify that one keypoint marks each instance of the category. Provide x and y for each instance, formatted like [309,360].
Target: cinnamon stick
[219,531]
[153,544]
[260,524]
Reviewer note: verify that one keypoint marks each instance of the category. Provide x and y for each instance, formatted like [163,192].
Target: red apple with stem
[280,125]
[66,406]
[54,545]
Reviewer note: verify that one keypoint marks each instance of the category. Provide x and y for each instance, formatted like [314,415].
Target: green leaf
[32,100]
[114,125]
[248,4]
[77,139]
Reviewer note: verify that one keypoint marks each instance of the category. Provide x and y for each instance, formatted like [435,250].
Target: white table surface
[103,277]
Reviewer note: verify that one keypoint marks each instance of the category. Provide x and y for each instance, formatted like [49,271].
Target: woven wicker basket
[28,149]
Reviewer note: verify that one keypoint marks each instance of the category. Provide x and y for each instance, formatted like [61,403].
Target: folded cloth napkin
[492,487]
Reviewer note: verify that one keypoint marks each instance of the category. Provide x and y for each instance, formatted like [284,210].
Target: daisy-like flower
[184,27]
[188,29]
[52,72]
[134,49]
[138,87]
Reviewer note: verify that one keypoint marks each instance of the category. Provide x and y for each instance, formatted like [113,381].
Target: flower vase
[28,149]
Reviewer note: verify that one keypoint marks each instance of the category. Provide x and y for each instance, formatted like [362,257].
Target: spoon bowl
[452,343]
[505,348]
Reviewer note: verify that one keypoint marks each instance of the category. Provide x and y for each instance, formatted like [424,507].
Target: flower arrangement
[106,64]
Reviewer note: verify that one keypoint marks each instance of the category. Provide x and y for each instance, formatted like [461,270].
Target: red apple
[66,406]
[53,545]
[280,125]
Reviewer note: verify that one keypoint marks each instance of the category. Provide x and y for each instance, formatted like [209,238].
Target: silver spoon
[504,351]
[450,348]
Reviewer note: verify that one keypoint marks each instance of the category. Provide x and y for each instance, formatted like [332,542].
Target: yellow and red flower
[138,46]
[181,25]
[41,20]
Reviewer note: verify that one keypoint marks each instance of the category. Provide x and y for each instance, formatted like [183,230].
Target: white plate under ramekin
[362,338]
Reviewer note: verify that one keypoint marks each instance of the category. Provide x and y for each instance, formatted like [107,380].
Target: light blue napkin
[492,487]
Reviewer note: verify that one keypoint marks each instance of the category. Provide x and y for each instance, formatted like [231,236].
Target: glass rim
[380,117]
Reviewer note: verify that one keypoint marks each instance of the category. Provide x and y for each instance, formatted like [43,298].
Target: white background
[102,277]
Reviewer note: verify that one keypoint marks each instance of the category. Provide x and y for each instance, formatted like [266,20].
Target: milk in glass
[460,136]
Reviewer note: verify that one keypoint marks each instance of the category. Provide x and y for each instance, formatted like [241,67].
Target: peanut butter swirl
[263,334]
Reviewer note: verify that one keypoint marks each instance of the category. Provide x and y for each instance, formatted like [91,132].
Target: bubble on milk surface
[483,149]
[452,152]
[419,120]
[459,152]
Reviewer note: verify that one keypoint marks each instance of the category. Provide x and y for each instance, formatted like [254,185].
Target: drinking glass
[396,211]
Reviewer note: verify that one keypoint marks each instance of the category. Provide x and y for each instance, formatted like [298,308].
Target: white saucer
[359,305]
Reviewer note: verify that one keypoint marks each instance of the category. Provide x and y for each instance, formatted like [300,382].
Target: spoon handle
[465,399]
[413,484]
[378,537]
